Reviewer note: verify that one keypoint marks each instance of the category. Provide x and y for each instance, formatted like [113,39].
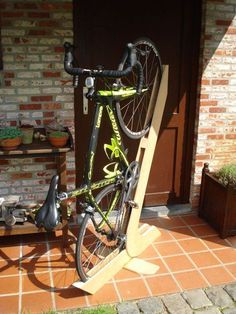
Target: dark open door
[101,31]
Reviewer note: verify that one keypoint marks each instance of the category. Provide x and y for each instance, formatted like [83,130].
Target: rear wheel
[97,244]
[135,113]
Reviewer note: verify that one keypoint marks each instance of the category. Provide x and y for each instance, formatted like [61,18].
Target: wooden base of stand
[145,234]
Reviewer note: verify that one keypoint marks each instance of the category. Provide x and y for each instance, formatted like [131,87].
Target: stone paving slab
[212,300]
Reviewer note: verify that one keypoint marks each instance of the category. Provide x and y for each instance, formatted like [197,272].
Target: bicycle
[126,99]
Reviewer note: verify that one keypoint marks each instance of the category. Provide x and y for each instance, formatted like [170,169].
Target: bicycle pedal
[133,204]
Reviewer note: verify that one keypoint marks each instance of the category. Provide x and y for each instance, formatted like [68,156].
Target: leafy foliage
[58,134]
[227,175]
[9,132]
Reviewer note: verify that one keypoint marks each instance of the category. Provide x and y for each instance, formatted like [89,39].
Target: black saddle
[48,215]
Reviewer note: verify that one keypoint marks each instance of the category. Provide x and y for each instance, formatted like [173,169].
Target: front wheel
[97,244]
[135,114]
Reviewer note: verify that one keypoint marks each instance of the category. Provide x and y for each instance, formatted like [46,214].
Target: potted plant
[58,138]
[10,138]
[218,199]
[27,133]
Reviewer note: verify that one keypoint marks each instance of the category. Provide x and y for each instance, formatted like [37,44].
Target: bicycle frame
[104,100]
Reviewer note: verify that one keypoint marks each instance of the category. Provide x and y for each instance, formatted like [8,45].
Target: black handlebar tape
[140,77]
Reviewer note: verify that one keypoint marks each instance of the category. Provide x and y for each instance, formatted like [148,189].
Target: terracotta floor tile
[150,252]
[172,222]
[126,274]
[182,233]
[36,302]
[37,281]
[192,220]
[203,231]
[162,284]
[204,259]
[69,298]
[232,269]
[9,284]
[132,289]
[9,267]
[168,248]
[190,280]
[34,249]
[32,265]
[9,304]
[215,242]
[105,295]
[192,245]
[158,261]
[58,262]
[227,255]
[57,248]
[178,263]
[152,221]
[165,235]
[65,278]
[9,252]
[217,275]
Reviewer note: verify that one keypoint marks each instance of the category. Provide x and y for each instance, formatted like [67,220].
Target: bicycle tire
[135,114]
[94,249]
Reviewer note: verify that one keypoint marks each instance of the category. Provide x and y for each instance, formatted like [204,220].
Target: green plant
[58,134]
[9,132]
[227,174]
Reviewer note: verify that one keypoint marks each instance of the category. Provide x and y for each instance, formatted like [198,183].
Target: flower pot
[10,143]
[58,141]
[27,134]
[218,204]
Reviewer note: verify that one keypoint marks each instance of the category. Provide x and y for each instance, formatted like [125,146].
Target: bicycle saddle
[48,215]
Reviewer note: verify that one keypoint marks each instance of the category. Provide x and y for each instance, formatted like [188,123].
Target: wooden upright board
[144,235]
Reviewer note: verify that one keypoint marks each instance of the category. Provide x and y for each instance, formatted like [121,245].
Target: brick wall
[215,140]
[34,83]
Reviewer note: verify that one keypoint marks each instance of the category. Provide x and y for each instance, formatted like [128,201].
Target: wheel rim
[95,249]
[133,111]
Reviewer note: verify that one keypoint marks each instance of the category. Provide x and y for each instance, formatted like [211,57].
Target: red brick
[4,162]
[202,157]
[51,166]
[51,74]
[205,82]
[21,176]
[7,83]
[9,75]
[230,136]
[44,159]
[208,103]
[47,23]
[223,22]
[49,114]
[38,32]
[38,15]
[12,14]
[26,6]
[51,106]
[206,130]
[220,82]
[231,30]
[31,107]
[215,137]
[41,98]
[217,109]
[58,49]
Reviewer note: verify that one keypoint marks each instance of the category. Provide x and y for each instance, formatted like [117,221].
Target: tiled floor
[36,273]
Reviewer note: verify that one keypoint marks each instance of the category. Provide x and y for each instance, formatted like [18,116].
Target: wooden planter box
[217,204]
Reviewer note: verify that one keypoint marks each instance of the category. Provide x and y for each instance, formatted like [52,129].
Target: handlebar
[130,63]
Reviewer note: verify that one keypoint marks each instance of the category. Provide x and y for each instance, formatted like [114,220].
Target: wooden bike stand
[144,235]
